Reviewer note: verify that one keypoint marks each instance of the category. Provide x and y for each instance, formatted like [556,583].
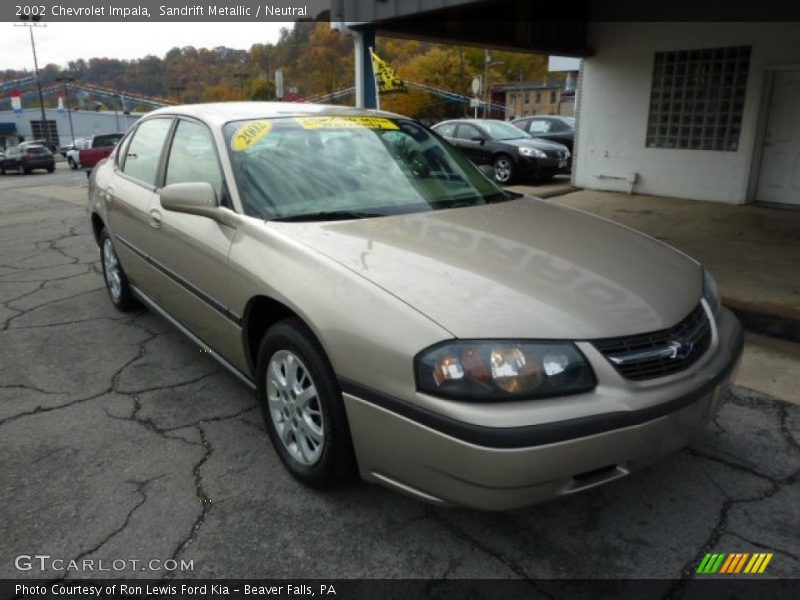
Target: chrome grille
[650,355]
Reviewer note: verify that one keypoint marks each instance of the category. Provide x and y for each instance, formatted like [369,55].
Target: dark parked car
[27,157]
[512,153]
[556,129]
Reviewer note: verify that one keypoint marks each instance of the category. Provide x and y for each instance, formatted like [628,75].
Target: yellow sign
[345,123]
[386,77]
[250,133]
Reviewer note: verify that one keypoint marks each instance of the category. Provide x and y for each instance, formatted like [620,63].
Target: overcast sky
[59,43]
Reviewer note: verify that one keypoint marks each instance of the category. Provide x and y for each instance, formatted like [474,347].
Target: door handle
[155,218]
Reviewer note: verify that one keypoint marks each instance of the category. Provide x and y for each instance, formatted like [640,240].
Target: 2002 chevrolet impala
[401,316]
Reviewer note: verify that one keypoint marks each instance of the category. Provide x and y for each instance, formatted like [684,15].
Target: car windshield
[338,167]
[500,130]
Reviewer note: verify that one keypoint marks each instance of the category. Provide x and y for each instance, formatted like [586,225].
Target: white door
[779,177]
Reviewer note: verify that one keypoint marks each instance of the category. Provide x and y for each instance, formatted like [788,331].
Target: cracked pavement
[120,440]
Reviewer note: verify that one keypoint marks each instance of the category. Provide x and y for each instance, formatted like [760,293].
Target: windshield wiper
[333,215]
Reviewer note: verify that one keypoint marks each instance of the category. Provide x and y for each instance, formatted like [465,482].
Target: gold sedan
[402,317]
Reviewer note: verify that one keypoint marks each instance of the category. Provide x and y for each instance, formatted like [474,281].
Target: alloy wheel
[111,270]
[294,407]
[502,170]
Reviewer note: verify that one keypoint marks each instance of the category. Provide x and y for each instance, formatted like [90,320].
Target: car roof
[219,113]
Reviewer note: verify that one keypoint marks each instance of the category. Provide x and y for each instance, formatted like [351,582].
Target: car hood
[524,268]
[539,143]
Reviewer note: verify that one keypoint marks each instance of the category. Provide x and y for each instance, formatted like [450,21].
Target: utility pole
[30,23]
[64,81]
[487,64]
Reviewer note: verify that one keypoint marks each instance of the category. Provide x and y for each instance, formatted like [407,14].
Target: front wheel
[119,290]
[303,408]
[503,169]
[72,164]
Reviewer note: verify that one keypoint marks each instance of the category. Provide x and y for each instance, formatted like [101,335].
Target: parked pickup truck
[73,154]
[98,148]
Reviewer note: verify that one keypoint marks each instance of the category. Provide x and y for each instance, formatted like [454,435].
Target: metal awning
[515,25]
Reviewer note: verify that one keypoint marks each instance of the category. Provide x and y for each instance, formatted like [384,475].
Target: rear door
[192,251]
[128,196]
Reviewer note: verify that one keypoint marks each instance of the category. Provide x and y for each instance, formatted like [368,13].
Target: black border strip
[191,288]
[546,433]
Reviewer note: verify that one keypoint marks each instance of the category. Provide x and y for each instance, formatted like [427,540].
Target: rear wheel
[72,164]
[503,169]
[51,169]
[119,290]
[302,405]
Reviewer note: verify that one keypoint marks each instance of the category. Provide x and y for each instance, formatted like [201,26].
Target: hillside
[314,60]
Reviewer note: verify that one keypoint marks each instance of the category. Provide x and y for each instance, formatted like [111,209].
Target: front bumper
[444,461]
[528,166]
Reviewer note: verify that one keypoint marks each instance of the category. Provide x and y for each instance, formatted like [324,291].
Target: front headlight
[503,370]
[711,293]
[527,151]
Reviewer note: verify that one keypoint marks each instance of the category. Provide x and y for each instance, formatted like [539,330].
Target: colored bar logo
[734,563]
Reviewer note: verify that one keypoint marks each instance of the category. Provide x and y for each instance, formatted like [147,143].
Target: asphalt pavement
[121,441]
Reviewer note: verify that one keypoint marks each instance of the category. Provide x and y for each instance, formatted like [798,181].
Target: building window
[697,98]
[538,97]
[528,98]
[553,97]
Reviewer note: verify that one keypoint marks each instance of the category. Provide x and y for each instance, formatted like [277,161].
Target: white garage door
[779,177]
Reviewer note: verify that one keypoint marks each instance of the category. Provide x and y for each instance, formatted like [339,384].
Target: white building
[708,111]
[85,123]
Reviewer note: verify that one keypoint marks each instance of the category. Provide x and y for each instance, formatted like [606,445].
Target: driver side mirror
[196,198]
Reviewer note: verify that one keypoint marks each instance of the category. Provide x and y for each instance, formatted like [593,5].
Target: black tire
[504,169]
[72,164]
[123,298]
[335,463]
[2,170]
[24,170]
[51,169]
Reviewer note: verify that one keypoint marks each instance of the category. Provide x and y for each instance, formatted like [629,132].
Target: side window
[467,132]
[447,130]
[144,150]
[539,126]
[121,151]
[193,157]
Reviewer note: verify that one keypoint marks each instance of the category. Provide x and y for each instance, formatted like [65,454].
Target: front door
[779,176]
[468,140]
[192,250]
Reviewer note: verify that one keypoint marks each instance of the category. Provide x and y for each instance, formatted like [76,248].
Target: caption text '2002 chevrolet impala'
[401,316]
